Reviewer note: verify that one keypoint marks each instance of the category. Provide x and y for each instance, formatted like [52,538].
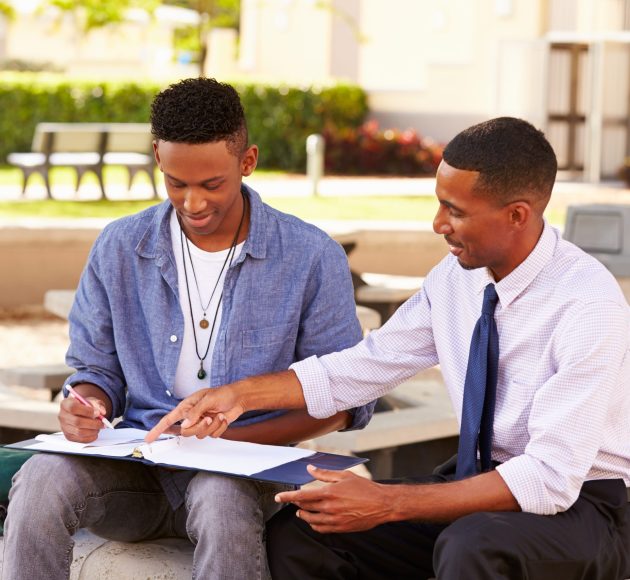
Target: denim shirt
[288,296]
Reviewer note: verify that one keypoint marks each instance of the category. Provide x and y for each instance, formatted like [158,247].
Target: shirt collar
[513,285]
[156,240]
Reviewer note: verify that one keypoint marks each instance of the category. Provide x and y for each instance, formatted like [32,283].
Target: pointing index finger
[177,414]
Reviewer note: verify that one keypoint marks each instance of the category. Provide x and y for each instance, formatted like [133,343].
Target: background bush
[279,118]
[370,151]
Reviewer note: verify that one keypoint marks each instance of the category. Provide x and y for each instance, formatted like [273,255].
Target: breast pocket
[271,335]
[269,349]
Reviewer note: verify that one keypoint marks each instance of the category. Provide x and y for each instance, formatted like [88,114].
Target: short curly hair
[200,110]
[513,158]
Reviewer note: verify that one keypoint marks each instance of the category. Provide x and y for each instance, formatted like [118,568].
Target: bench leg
[80,171]
[133,171]
[26,175]
[101,182]
[46,176]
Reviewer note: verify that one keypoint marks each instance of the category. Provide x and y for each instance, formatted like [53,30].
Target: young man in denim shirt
[219,289]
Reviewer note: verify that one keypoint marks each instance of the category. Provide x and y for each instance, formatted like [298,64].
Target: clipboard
[291,473]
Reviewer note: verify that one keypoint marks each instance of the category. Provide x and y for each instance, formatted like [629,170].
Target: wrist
[397,508]
[240,392]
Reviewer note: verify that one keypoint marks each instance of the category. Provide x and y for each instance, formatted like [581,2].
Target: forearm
[280,390]
[446,502]
[92,390]
[292,427]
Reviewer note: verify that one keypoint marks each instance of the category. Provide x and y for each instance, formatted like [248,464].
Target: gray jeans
[55,495]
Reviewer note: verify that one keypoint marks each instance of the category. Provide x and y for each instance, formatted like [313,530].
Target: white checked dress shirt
[563,394]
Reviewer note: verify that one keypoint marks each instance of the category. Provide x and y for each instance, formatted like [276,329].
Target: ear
[519,214]
[249,160]
[156,153]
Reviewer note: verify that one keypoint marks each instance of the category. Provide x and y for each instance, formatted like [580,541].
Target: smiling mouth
[455,249]
[197,220]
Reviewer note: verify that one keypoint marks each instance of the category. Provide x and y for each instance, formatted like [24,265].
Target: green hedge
[279,118]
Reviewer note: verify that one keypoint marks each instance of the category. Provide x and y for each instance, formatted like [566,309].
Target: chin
[467,266]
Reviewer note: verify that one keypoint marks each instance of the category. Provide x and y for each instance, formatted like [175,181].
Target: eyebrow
[449,205]
[212,180]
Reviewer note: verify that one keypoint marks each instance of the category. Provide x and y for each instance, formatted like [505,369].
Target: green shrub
[279,118]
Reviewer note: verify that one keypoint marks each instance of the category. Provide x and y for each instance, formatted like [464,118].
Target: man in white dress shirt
[555,502]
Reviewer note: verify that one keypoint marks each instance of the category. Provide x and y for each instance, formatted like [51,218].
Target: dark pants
[590,541]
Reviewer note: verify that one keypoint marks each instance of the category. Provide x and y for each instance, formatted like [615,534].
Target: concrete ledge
[96,558]
[49,377]
[33,415]
[426,415]
[50,255]
[165,559]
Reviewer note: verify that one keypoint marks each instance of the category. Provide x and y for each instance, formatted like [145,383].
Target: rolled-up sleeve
[384,359]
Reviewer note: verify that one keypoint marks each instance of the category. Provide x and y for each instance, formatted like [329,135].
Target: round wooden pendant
[204,323]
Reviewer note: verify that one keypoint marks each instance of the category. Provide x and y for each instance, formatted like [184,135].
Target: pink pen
[79,398]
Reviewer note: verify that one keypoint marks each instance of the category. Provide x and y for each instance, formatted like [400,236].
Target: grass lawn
[406,208]
[356,208]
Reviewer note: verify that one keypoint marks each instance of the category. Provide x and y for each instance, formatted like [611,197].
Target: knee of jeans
[217,492]
[217,499]
[222,508]
[44,476]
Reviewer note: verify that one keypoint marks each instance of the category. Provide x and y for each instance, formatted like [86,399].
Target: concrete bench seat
[87,147]
[384,292]
[420,412]
[48,377]
[29,414]
[96,558]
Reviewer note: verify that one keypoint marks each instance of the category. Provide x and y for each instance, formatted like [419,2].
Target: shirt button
[173,338]
[168,393]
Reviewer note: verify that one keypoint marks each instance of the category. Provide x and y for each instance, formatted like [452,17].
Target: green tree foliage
[212,14]
[6,9]
[99,13]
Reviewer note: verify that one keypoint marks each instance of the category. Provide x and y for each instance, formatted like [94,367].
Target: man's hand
[348,504]
[208,412]
[79,422]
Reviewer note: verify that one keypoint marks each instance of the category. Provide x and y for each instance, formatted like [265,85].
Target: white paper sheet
[210,454]
[235,457]
[110,442]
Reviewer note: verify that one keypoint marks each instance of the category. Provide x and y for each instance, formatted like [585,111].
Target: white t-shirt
[207,269]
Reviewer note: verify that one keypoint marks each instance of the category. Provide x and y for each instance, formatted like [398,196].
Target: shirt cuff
[526,485]
[316,387]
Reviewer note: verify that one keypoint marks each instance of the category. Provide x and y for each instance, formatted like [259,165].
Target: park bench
[87,147]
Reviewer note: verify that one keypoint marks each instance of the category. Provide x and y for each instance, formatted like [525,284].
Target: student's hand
[79,422]
[206,413]
[348,503]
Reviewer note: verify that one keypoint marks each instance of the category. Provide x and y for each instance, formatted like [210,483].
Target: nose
[194,201]
[441,223]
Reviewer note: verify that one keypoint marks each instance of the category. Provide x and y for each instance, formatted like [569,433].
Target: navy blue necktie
[479,391]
